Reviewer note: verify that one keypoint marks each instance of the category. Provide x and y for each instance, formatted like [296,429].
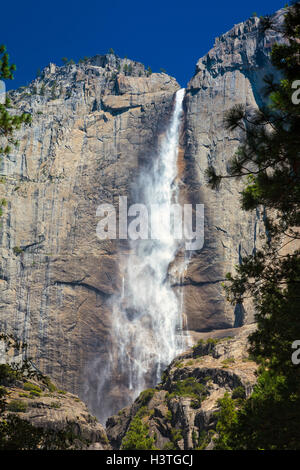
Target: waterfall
[146,332]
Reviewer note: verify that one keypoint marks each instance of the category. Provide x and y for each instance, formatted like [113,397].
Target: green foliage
[125,69]
[3,391]
[84,60]
[35,393]
[206,347]
[190,388]
[227,417]
[31,387]
[269,158]
[17,250]
[46,380]
[137,436]
[146,396]
[203,439]
[176,435]
[164,377]
[269,153]
[66,61]
[169,446]
[130,69]
[6,69]
[268,420]
[19,434]
[210,341]
[179,364]
[3,395]
[9,122]
[238,392]
[8,375]
[55,404]
[17,406]
[3,203]
[228,361]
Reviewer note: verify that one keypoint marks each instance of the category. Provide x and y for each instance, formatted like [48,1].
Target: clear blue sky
[161,33]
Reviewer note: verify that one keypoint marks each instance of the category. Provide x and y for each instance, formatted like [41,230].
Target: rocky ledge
[181,412]
[35,414]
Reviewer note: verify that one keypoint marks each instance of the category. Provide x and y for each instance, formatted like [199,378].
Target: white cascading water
[147,319]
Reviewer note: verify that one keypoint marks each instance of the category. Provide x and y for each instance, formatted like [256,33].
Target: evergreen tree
[269,158]
[137,436]
[130,69]
[6,69]
[8,122]
[125,69]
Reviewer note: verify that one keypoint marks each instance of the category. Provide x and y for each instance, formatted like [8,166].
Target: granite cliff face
[95,125]
[231,73]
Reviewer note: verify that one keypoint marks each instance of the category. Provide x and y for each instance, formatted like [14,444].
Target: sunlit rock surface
[95,125]
[232,72]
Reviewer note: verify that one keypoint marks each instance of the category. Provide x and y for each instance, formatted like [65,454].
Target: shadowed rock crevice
[82,284]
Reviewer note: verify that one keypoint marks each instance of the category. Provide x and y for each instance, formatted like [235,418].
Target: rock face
[180,413]
[61,419]
[94,124]
[231,73]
